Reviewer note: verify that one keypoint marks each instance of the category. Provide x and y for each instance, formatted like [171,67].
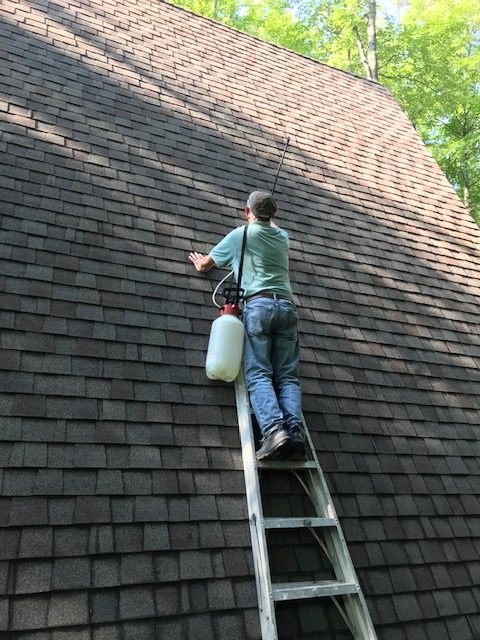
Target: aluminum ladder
[352,606]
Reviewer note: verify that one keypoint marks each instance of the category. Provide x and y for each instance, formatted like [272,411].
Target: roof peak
[277,46]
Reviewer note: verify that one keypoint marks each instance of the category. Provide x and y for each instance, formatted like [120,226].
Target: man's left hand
[200,262]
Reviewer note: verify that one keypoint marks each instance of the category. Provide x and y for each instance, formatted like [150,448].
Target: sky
[391,8]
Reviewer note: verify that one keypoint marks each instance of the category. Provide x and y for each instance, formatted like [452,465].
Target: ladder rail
[337,546]
[358,609]
[252,486]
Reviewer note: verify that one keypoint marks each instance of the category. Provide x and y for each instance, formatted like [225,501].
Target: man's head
[262,205]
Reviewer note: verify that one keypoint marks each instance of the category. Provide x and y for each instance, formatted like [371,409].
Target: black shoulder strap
[240,268]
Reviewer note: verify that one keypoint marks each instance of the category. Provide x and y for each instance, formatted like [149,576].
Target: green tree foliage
[340,27]
[434,72]
[429,58]
[270,20]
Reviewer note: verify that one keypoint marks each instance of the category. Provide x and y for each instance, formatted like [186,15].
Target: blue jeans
[271,357]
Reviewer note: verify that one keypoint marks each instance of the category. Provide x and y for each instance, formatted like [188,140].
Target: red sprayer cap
[230,310]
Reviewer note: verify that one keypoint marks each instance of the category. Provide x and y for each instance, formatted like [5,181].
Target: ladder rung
[287,464]
[321,589]
[298,523]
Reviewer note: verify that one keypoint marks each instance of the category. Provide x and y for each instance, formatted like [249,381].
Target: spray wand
[228,290]
[280,164]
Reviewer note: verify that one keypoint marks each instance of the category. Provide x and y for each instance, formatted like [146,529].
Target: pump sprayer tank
[225,347]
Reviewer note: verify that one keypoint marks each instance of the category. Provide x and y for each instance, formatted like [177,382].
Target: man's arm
[200,262]
[220,256]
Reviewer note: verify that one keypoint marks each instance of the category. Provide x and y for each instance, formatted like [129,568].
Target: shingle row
[130,603]
[87,509]
[93,542]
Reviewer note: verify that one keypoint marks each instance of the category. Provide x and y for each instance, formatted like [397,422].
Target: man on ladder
[271,352]
[271,359]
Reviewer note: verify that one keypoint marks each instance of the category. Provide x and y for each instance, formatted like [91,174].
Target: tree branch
[361,51]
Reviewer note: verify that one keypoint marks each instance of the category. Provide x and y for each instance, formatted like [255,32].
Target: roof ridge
[277,46]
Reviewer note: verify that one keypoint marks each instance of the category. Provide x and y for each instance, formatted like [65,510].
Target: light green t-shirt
[265,266]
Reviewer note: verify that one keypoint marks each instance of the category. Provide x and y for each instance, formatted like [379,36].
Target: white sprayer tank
[225,347]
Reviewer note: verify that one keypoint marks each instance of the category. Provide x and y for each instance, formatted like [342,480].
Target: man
[271,351]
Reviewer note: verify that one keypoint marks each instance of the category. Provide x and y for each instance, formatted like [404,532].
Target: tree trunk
[464,172]
[465,159]
[349,57]
[361,51]
[368,57]
[372,41]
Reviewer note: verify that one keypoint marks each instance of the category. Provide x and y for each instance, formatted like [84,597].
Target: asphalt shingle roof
[130,135]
